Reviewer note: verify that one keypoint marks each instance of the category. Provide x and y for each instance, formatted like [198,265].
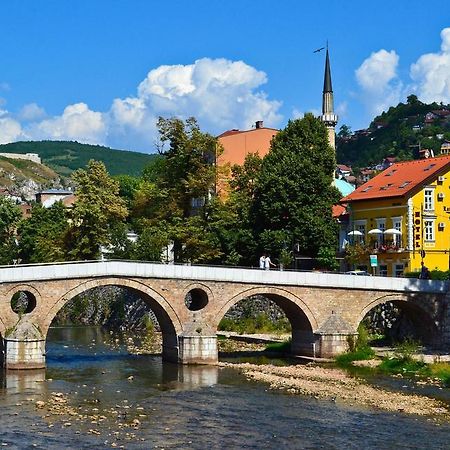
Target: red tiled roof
[400,179]
[338,211]
[344,167]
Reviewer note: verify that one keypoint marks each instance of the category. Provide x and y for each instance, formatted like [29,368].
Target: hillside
[23,178]
[64,157]
[397,132]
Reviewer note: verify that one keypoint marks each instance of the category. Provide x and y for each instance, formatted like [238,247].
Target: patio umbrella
[355,233]
[375,231]
[393,231]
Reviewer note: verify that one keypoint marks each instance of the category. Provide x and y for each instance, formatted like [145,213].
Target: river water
[179,407]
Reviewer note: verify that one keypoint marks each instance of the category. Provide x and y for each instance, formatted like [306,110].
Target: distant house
[445,148]
[388,161]
[25,208]
[441,115]
[425,153]
[343,171]
[50,196]
[366,174]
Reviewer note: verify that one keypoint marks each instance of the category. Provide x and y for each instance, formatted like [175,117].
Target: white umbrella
[393,231]
[375,231]
[355,233]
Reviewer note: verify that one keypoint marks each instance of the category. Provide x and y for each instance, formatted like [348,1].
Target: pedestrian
[262,261]
[424,272]
[268,263]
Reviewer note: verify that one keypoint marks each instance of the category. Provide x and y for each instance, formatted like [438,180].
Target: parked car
[358,272]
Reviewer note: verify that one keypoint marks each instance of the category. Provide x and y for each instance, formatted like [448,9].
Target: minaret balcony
[329,119]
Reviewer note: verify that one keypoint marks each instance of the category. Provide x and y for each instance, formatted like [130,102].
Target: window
[383,271]
[428,200]
[381,224]
[398,270]
[429,230]
[397,225]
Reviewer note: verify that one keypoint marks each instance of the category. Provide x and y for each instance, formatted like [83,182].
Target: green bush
[394,366]
[355,355]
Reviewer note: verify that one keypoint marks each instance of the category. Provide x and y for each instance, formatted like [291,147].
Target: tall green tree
[294,193]
[41,236]
[10,216]
[176,193]
[96,212]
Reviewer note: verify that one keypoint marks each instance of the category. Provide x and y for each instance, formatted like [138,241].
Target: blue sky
[102,71]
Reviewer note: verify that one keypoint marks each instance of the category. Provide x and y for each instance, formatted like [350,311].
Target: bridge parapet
[92,269]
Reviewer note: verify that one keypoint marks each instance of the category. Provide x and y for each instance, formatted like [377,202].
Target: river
[118,400]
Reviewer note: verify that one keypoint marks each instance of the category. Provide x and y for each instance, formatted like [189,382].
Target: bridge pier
[197,349]
[24,354]
[24,346]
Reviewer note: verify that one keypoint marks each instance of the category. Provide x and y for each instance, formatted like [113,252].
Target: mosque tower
[328,117]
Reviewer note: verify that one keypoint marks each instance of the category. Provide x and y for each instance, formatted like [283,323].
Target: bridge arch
[168,319]
[425,327]
[300,316]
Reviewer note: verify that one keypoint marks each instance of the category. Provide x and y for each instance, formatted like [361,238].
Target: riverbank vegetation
[404,360]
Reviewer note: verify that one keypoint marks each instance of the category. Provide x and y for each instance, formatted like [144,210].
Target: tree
[9,218]
[97,210]
[344,131]
[41,236]
[294,193]
[177,192]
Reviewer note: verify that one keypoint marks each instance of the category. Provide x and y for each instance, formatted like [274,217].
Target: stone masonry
[321,317]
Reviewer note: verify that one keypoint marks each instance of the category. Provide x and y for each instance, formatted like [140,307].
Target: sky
[103,71]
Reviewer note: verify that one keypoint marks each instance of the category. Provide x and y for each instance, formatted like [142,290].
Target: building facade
[402,216]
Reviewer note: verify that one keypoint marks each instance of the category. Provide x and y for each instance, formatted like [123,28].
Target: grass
[279,347]
[261,323]
[440,370]
[359,354]
[395,365]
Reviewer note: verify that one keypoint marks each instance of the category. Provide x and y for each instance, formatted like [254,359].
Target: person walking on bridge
[262,261]
[268,262]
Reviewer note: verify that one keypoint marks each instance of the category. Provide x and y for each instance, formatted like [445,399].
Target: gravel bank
[336,385]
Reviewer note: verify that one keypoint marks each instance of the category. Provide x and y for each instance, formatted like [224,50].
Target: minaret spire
[329,118]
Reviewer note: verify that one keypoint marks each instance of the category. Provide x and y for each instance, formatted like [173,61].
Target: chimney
[259,124]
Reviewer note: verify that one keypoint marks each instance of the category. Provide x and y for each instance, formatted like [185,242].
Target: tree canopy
[294,192]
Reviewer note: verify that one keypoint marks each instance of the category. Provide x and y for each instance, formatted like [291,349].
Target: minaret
[328,117]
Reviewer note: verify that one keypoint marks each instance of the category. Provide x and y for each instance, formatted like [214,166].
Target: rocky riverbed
[336,385]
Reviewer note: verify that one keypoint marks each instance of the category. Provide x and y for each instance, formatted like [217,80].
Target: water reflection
[23,381]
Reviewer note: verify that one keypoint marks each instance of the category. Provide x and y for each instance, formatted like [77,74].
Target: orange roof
[400,179]
[339,210]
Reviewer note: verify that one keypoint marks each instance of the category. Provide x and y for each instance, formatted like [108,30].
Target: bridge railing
[142,269]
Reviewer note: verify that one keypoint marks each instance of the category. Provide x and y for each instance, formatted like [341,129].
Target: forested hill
[64,157]
[397,132]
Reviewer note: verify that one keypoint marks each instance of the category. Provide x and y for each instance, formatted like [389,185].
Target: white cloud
[431,73]
[31,111]
[10,129]
[220,93]
[77,122]
[379,82]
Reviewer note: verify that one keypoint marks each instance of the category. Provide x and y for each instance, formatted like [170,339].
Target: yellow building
[403,216]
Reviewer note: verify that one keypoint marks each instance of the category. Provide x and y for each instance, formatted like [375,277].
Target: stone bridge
[189,302]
